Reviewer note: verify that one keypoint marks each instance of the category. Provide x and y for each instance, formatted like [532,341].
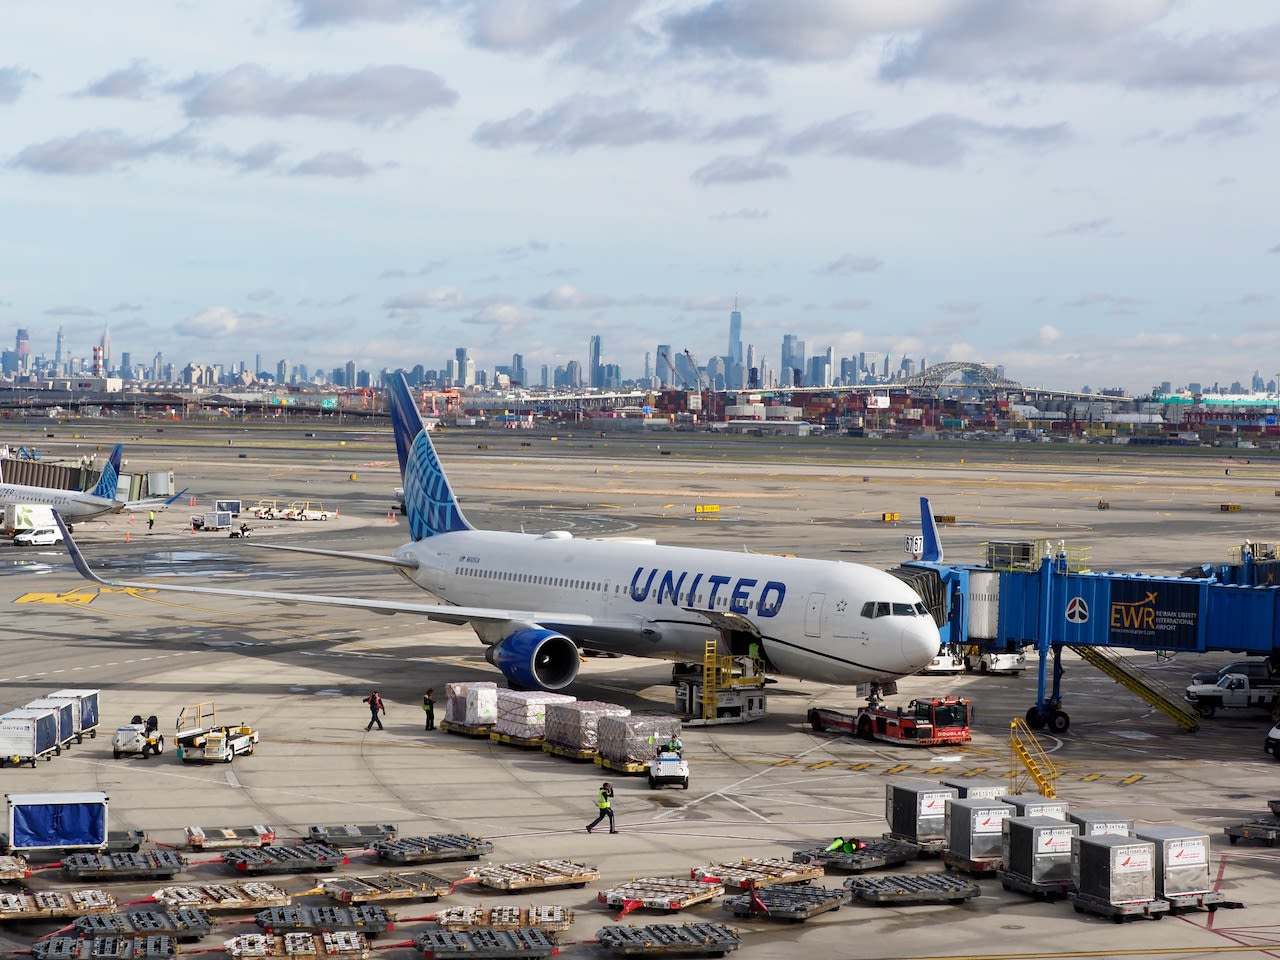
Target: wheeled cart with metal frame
[1120,912]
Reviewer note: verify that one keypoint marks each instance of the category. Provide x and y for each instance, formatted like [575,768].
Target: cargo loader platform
[223,896]
[907,888]
[369,920]
[753,873]
[1266,829]
[478,730]
[342,945]
[276,859]
[876,855]
[670,940]
[51,904]
[793,903]
[154,864]
[486,944]
[182,925]
[571,753]
[104,948]
[552,918]
[925,848]
[659,893]
[1120,912]
[349,835]
[536,875]
[436,848]
[225,838]
[373,888]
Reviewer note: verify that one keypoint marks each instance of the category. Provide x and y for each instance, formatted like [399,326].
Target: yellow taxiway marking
[79,597]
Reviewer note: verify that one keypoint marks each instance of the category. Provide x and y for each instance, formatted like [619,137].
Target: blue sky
[1083,191]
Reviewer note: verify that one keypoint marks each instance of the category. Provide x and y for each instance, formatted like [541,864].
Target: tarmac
[298,673]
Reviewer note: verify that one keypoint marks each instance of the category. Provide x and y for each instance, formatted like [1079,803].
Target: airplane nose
[920,643]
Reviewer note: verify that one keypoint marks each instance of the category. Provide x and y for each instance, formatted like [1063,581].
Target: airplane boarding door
[813,615]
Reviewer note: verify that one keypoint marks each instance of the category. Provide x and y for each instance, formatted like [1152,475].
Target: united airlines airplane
[537,600]
[76,505]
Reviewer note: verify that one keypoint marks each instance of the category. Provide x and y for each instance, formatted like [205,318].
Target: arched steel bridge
[960,373]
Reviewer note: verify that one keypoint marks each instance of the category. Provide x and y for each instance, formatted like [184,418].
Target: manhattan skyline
[1080,193]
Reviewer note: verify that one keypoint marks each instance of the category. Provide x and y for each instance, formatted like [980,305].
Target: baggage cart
[981,867]
[478,730]
[659,893]
[105,948]
[1120,912]
[276,859]
[67,715]
[183,925]
[86,702]
[351,834]
[412,885]
[222,838]
[1209,900]
[1041,890]
[670,940]
[622,766]
[339,945]
[369,920]
[52,904]
[223,896]
[525,942]
[28,737]
[924,848]
[12,867]
[912,888]
[552,918]
[875,855]
[154,864]
[436,848]
[752,873]
[536,875]
[786,903]
[1266,829]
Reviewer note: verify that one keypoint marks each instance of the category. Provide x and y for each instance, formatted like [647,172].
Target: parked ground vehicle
[27,516]
[138,737]
[266,509]
[1233,691]
[212,520]
[921,723]
[305,510]
[948,660]
[1272,743]
[39,537]
[990,661]
[668,769]
[1258,672]
[201,739]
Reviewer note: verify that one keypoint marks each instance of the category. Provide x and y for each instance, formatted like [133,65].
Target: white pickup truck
[1233,691]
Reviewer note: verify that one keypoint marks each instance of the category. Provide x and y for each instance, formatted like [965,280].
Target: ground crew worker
[675,745]
[604,801]
[376,706]
[429,708]
[754,659]
[843,845]
[151,519]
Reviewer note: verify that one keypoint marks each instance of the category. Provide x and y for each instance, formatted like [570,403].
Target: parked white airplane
[76,505]
[535,600]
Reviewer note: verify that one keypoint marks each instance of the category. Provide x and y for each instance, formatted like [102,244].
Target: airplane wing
[409,563]
[442,613]
[150,503]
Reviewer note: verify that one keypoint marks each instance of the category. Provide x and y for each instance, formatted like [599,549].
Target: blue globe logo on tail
[428,499]
[109,480]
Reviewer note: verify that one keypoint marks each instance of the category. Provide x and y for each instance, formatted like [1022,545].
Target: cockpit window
[921,610]
[904,610]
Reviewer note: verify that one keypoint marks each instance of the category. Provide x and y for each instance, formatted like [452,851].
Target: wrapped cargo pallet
[473,703]
[523,713]
[633,739]
[574,725]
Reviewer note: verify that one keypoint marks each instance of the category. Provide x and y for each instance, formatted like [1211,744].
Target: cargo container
[916,810]
[66,713]
[1182,860]
[1038,849]
[1034,805]
[27,736]
[974,828]
[57,821]
[86,705]
[976,788]
[1101,823]
[1114,869]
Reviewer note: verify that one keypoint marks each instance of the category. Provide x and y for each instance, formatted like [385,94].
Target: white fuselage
[817,619]
[72,504]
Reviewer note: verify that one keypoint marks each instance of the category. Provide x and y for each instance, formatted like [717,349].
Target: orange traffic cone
[127,537]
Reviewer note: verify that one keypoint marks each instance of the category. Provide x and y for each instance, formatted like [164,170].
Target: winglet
[174,499]
[932,543]
[428,499]
[110,479]
[82,565]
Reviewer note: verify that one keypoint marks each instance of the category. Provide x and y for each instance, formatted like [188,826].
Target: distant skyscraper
[734,373]
[126,365]
[349,373]
[517,369]
[648,368]
[57,351]
[282,371]
[793,365]
[663,367]
[595,372]
[885,372]
[106,351]
[546,376]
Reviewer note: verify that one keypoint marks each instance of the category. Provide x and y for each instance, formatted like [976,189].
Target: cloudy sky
[1086,191]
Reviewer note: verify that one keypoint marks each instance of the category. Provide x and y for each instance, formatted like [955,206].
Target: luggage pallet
[1119,912]
[525,942]
[1266,829]
[370,921]
[435,848]
[669,939]
[912,888]
[351,834]
[876,855]
[1041,891]
[157,864]
[371,888]
[659,893]
[1209,900]
[222,838]
[223,896]
[181,924]
[511,740]
[536,875]
[467,729]
[786,903]
[925,848]
[338,945]
[572,753]
[504,918]
[13,868]
[621,766]
[276,859]
[41,904]
[756,872]
[104,948]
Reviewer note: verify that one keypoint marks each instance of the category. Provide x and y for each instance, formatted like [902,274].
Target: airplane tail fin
[932,543]
[110,479]
[429,502]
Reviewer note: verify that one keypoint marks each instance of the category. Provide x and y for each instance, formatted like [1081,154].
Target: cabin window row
[567,582]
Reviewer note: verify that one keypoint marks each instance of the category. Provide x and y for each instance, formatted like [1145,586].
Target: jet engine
[533,659]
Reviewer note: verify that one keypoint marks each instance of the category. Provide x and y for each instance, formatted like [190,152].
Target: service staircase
[1030,756]
[1128,674]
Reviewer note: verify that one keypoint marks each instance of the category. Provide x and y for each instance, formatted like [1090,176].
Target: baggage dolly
[622,766]
[1120,912]
[912,888]
[511,740]
[433,849]
[926,848]
[984,866]
[1041,891]
[876,855]
[183,924]
[786,903]
[1209,900]
[370,921]
[413,885]
[54,904]
[223,896]
[340,945]
[477,730]
[670,940]
[536,875]
[571,753]
[525,942]
[224,838]
[300,859]
[12,867]
[552,918]
[1266,829]
[752,873]
[351,834]
[154,864]
[668,894]
[104,948]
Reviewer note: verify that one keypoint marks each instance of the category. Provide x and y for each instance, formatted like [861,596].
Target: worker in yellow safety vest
[605,804]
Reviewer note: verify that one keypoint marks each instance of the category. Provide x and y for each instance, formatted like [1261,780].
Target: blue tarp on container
[67,714]
[50,820]
[88,702]
[41,726]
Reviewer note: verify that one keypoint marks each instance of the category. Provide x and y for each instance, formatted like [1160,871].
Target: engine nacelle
[535,659]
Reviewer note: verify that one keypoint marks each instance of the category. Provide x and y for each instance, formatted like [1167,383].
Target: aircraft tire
[1035,719]
[1059,721]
